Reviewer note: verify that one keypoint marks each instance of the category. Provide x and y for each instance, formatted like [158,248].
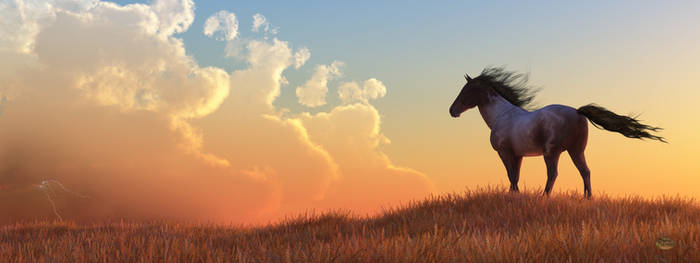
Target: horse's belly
[518,144]
[531,153]
[523,143]
[528,150]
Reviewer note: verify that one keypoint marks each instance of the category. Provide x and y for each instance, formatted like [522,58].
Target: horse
[503,99]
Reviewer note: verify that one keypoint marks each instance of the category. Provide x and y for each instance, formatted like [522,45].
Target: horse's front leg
[552,161]
[512,163]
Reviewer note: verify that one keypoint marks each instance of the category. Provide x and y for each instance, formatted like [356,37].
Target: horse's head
[471,95]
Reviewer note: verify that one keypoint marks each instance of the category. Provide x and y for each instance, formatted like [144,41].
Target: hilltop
[484,225]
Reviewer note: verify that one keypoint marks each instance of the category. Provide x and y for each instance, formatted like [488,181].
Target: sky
[253,111]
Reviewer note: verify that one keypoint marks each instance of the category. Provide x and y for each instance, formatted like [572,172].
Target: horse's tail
[626,125]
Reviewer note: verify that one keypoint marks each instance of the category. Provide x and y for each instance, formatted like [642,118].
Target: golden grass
[484,225]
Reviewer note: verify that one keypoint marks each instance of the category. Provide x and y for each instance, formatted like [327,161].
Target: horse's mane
[510,85]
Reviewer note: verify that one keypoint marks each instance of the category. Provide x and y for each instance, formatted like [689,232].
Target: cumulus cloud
[113,116]
[373,89]
[313,92]
[22,20]
[222,26]
[352,92]
[352,134]
[123,62]
[174,16]
[132,121]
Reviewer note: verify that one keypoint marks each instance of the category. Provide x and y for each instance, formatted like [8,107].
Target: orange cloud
[108,102]
[352,135]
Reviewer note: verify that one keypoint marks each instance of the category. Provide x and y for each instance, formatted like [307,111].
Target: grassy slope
[483,225]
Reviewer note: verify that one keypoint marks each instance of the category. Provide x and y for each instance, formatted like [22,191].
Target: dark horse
[516,132]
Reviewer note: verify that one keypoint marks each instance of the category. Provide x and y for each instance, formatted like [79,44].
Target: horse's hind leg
[579,160]
[552,162]
[512,164]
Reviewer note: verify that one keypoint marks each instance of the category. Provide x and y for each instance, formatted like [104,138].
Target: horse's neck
[497,110]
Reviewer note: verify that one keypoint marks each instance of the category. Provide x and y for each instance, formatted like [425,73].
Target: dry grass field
[484,225]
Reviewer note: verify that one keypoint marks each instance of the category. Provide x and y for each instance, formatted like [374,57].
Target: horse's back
[560,116]
[550,129]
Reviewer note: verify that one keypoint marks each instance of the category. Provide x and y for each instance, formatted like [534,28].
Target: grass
[483,225]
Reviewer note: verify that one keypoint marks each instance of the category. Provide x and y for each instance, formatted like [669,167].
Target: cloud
[23,19]
[301,56]
[119,105]
[124,62]
[373,89]
[132,121]
[260,22]
[174,16]
[352,135]
[264,144]
[313,92]
[349,92]
[222,26]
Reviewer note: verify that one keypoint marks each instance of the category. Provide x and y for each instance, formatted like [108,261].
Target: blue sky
[437,43]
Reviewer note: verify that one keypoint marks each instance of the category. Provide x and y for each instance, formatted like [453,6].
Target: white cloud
[349,91]
[174,16]
[260,22]
[352,92]
[222,26]
[373,89]
[301,56]
[313,92]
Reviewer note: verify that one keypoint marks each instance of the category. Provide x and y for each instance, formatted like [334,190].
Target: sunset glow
[251,112]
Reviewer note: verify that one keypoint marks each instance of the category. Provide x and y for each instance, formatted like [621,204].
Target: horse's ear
[467,78]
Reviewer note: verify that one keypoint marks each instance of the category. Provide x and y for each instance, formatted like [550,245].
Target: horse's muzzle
[453,113]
